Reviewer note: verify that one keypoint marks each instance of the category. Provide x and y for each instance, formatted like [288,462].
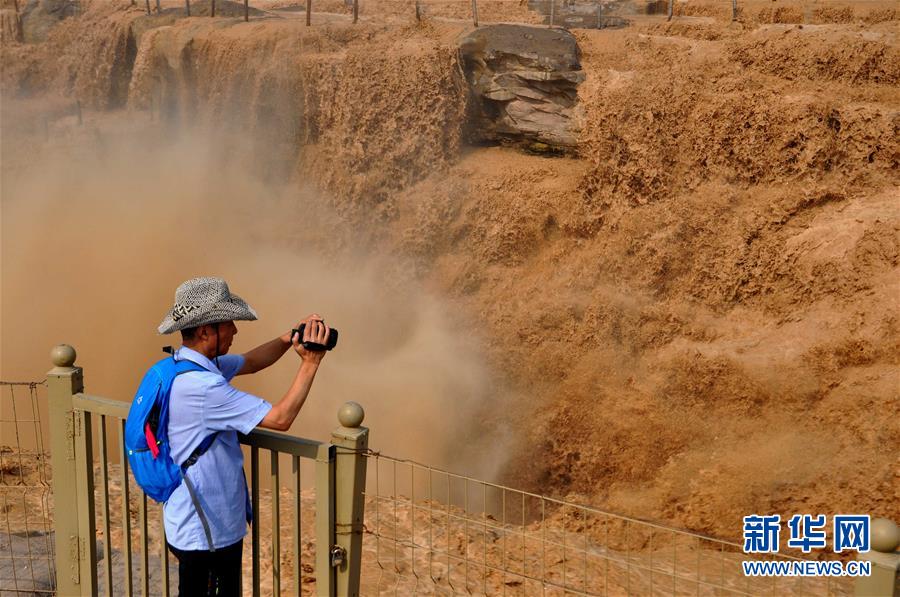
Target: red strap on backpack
[151,441]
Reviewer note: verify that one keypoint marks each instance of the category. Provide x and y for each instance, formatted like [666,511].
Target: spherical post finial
[63,355]
[351,415]
[885,535]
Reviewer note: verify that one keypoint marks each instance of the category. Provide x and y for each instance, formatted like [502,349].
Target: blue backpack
[147,437]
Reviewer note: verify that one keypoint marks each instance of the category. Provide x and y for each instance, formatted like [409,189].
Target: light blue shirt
[202,403]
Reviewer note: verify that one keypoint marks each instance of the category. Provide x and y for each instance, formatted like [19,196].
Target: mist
[100,225]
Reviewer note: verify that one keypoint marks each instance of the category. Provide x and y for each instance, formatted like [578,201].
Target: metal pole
[308,12]
[475,12]
[158,8]
[552,11]
[671,9]
[246,10]
[734,10]
[325,576]
[418,11]
[87,521]
[212,8]
[187,7]
[355,11]
[351,441]
[599,16]
[62,381]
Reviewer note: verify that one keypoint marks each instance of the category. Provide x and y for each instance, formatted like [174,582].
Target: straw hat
[205,300]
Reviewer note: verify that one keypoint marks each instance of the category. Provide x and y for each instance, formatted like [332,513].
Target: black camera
[330,343]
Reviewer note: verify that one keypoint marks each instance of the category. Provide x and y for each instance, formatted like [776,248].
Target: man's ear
[204,332]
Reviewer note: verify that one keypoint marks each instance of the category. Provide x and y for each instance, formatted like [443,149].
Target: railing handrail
[282,442]
[260,438]
[100,405]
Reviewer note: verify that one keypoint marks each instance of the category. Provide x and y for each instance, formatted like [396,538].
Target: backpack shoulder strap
[185,365]
[199,451]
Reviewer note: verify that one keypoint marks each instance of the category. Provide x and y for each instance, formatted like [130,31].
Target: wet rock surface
[523,82]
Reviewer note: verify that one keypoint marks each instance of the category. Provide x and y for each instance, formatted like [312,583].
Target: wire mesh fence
[26,537]
[433,532]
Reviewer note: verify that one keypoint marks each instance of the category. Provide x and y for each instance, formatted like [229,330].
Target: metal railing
[434,532]
[95,524]
[429,531]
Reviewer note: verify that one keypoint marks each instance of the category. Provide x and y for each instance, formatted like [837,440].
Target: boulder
[523,84]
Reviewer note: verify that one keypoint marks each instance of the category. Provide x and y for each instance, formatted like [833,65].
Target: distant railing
[587,14]
[339,473]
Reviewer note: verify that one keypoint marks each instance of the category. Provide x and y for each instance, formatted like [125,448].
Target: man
[204,404]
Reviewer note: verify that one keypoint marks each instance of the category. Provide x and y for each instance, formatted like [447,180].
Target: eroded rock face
[524,83]
[40,16]
[10,27]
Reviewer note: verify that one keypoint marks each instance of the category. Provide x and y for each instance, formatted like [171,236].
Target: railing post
[885,559]
[325,574]
[63,381]
[350,441]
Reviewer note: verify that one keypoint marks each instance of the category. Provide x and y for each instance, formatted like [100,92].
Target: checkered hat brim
[201,301]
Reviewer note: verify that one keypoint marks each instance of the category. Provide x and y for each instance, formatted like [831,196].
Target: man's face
[227,331]
[223,332]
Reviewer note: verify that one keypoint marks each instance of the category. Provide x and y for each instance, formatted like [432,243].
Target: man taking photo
[203,404]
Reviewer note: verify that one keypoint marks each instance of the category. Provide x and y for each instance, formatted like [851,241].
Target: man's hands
[315,331]
[283,412]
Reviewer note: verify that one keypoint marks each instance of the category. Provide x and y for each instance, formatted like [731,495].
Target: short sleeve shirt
[203,403]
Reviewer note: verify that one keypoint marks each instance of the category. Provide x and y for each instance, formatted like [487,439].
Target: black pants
[214,573]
